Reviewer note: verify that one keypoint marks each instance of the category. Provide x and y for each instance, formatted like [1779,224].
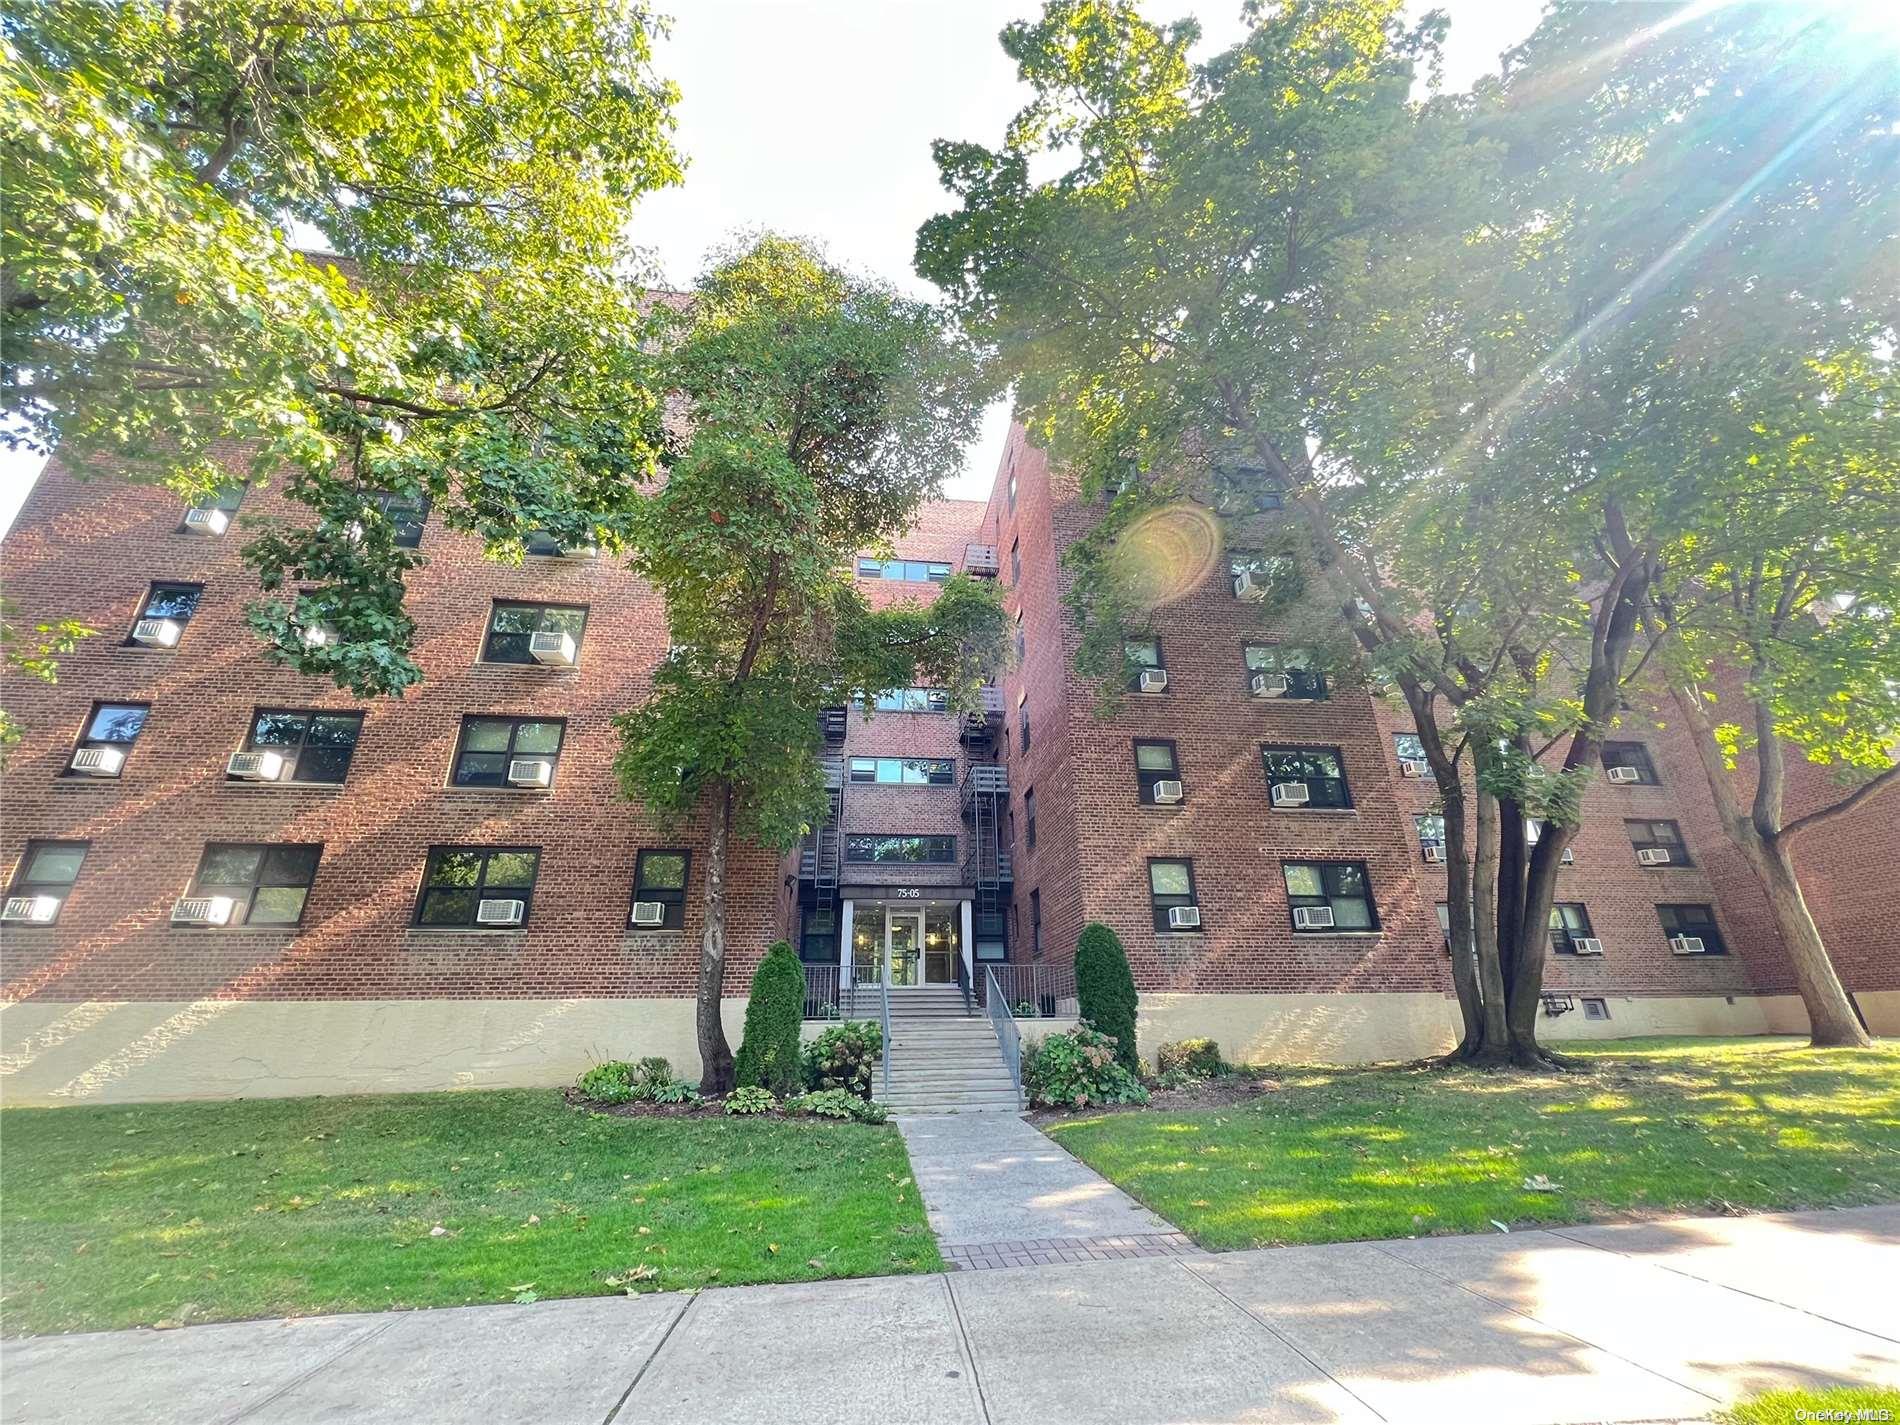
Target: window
[1408,747]
[1144,654]
[223,504]
[1696,922]
[458,879]
[1155,762]
[1012,491]
[1622,759]
[1300,665]
[1015,562]
[169,607]
[661,876]
[1240,473]
[111,729]
[1569,923]
[913,571]
[267,884]
[1314,770]
[549,547]
[491,746]
[511,628]
[1254,574]
[1022,642]
[917,700]
[1337,886]
[905,771]
[818,935]
[1035,925]
[408,514]
[1022,723]
[1596,1009]
[44,878]
[1029,818]
[1171,884]
[915,850]
[1430,827]
[315,746]
[1654,836]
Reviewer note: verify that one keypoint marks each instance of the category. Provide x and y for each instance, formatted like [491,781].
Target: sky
[815,117]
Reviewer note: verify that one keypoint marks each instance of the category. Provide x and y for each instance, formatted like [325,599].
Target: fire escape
[986,869]
[821,858]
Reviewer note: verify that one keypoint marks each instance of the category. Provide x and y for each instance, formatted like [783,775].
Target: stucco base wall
[1301,1028]
[1634,1016]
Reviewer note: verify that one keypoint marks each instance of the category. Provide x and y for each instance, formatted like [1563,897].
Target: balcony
[979,561]
[980,726]
[831,724]
[986,779]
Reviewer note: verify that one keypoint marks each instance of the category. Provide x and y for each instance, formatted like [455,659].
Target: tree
[34,652]
[768,1054]
[818,411]
[476,339]
[1105,989]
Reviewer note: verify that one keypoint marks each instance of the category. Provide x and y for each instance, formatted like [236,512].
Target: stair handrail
[1008,1038]
[883,984]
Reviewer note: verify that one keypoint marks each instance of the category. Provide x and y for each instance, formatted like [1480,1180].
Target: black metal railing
[1034,991]
[822,999]
[1008,1037]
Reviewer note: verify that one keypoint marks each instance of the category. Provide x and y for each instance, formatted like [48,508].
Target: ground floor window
[1691,929]
[486,886]
[818,935]
[1329,895]
[659,878]
[267,883]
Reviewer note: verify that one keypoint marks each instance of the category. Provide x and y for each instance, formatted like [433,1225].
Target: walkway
[1650,1322]
[999,1193]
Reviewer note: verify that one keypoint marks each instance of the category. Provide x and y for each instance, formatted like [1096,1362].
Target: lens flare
[1166,555]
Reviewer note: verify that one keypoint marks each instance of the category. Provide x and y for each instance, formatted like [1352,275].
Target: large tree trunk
[1539,893]
[1832,1022]
[715,1054]
[1496,1046]
[1460,935]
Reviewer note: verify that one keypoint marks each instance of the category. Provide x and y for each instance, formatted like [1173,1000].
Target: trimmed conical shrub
[768,1056]
[1106,989]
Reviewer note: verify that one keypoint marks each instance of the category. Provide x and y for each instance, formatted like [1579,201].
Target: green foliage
[651,1080]
[768,1055]
[1106,989]
[1199,1058]
[650,1073]
[34,652]
[750,1099]
[837,1103]
[611,1082]
[674,1091]
[1077,1069]
[844,1056]
[1839,1402]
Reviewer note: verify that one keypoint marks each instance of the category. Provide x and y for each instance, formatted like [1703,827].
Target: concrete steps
[943,1060]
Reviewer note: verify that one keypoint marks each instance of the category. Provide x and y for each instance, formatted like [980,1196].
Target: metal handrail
[1008,1037]
[885,988]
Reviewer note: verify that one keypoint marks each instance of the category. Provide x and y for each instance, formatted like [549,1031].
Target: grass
[1781,1407]
[119,1216]
[1651,1126]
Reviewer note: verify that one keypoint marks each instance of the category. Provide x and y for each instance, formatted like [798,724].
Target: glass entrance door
[904,947]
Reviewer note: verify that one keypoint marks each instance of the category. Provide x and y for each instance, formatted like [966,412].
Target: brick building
[227,878]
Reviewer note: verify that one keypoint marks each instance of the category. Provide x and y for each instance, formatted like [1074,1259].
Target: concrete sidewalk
[1650,1322]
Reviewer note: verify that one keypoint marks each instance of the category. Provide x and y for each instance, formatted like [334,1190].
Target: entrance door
[904,947]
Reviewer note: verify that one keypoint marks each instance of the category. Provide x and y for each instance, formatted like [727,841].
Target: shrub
[844,1056]
[611,1082]
[826,1103]
[1077,1069]
[1177,1078]
[750,1098]
[1200,1058]
[1106,990]
[869,1110]
[675,1091]
[650,1075]
[768,1055]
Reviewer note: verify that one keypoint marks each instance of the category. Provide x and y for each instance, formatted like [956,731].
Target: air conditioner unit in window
[1184,917]
[1291,794]
[1623,774]
[1248,587]
[1586,945]
[1433,853]
[500,912]
[1269,685]
[1169,791]
[530,772]
[204,910]
[1688,945]
[1154,680]
[555,648]
[319,635]
[98,761]
[1569,858]
[649,913]
[207,521]
[35,910]
[1414,767]
[1652,856]
[158,632]
[1312,917]
[255,766]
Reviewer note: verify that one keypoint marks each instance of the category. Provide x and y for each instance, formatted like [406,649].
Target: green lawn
[1841,1403]
[205,1211]
[1653,1125]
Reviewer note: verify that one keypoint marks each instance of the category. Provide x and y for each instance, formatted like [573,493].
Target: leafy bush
[1199,1058]
[1077,1069]
[675,1091]
[650,1075]
[749,1099]
[1106,989]
[845,1057]
[768,1055]
[826,1103]
[611,1082]
[869,1110]
[1177,1078]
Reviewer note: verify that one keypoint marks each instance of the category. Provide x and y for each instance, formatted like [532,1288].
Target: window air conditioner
[1434,853]
[556,648]
[36,910]
[530,772]
[157,632]
[1313,917]
[204,910]
[1414,767]
[1270,685]
[1652,856]
[319,635]
[649,913]
[1154,680]
[1569,858]
[207,521]
[1248,588]
[1291,794]
[1184,917]
[1586,945]
[1687,945]
[255,766]
[500,912]
[1169,791]
[1623,774]
[99,761]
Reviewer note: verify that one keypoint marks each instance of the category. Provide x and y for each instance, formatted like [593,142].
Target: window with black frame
[1015,562]
[1629,762]
[1657,843]
[316,747]
[1035,925]
[1299,666]
[1301,778]
[478,887]
[106,740]
[213,516]
[1324,896]
[659,878]
[512,627]
[1430,830]
[1691,929]
[1158,774]
[818,935]
[1171,888]
[1022,641]
[43,880]
[520,752]
[163,615]
[901,850]
[1029,818]
[266,883]
[1022,725]
[904,771]
[1144,659]
[407,514]
[1569,923]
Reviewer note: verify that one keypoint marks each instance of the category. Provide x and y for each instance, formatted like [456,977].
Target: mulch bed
[705,1108]
[1225,1092]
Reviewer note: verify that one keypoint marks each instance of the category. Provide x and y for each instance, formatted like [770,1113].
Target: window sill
[245,784]
[483,665]
[286,931]
[1314,811]
[438,932]
[505,792]
[74,782]
[1339,934]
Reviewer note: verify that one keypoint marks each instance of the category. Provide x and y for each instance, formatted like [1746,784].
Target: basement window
[1596,1009]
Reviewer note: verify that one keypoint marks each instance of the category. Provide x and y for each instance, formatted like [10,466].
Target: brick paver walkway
[1046,1251]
